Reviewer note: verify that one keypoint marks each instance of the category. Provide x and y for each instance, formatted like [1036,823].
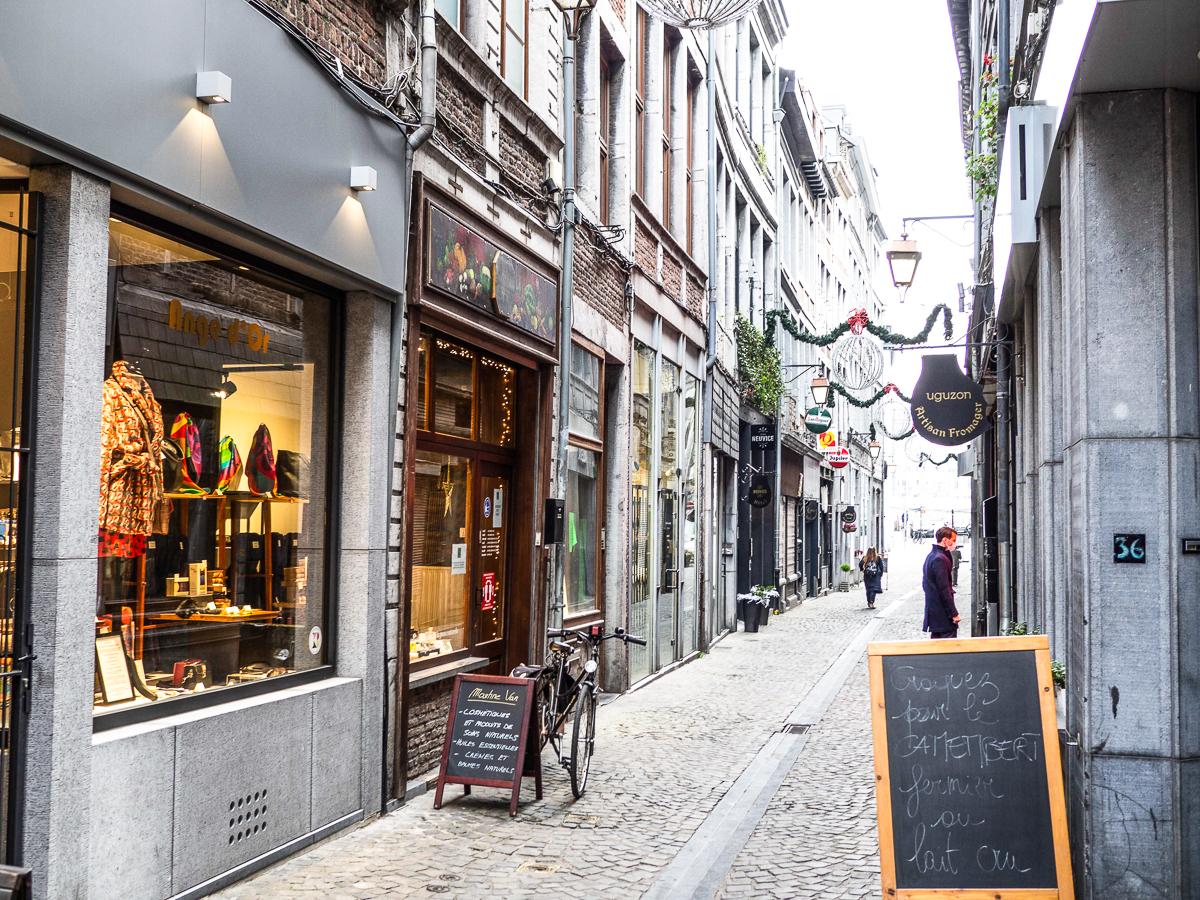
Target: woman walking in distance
[873,567]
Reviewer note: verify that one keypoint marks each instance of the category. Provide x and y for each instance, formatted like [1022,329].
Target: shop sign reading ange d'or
[948,408]
[466,265]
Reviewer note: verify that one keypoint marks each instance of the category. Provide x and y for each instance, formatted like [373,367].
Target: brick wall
[696,298]
[619,8]
[522,158]
[462,107]
[645,251]
[428,708]
[355,31]
[599,281]
[672,275]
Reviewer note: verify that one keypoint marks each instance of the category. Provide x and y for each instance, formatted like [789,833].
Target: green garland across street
[885,334]
[873,399]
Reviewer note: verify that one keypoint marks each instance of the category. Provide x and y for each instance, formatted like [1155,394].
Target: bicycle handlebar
[618,633]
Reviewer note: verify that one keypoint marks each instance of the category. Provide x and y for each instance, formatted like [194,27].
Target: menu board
[969,788]
[488,736]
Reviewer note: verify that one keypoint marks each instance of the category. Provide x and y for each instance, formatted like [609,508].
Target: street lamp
[874,448]
[574,11]
[902,257]
[820,390]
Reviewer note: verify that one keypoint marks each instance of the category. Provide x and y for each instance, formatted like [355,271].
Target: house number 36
[1129,548]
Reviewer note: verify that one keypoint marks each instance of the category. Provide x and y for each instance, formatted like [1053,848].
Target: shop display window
[215,430]
[584,466]
[641,510]
[461,499]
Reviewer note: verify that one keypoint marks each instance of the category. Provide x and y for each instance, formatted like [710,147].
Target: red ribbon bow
[889,387]
[858,320]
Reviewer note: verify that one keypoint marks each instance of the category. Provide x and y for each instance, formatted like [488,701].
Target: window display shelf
[258,615]
[235,496]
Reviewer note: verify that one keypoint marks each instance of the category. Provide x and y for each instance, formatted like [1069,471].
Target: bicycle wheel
[583,739]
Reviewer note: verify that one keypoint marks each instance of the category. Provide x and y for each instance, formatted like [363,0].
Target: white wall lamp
[363,178]
[214,87]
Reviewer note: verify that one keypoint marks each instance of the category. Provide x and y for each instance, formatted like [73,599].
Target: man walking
[956,557]
[941,615]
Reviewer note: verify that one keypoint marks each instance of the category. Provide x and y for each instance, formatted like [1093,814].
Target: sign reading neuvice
[948,408]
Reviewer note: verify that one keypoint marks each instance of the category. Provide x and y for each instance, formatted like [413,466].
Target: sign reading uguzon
[849,515]
[948,408]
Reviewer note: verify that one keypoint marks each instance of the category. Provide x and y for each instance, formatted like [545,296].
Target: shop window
[441,501]
[585,461]
[461,501]
[215,433]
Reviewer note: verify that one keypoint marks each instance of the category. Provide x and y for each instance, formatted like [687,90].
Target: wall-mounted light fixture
[363,178]
[214,87]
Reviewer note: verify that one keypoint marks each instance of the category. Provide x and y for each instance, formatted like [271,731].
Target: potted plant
[1058,674]
[845,582]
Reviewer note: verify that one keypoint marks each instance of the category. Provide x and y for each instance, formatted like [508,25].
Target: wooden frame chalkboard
[968,775]
[488,736]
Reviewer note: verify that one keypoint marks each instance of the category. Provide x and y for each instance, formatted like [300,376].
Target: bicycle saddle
[523,670]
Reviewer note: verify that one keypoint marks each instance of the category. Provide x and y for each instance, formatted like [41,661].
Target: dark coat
[873,580]
[939,592]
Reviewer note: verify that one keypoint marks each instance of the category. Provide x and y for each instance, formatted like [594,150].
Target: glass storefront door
[490,566]
[640,511]
[689,571]
[667,598]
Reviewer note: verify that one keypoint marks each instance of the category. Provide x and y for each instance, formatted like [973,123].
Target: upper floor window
[639,101]
[452,11]
[514,48]
[693,85]
[605,125]
[667,133]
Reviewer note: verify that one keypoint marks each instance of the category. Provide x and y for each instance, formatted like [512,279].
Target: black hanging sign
[762,437]
[849,515]
[491,736]
[760,491]
[968,779]
[948,408]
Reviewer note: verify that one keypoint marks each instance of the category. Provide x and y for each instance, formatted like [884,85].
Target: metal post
[565,287]
[710,589]
[1002,479]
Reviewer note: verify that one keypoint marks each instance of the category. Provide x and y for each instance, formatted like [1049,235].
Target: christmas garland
[870,401]
[925,457]
[885,334]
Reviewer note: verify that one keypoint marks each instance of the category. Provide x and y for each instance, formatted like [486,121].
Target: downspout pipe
[1003,480]
[708,587]
[1003,87]
[416,139]
[777,116]
[566,287]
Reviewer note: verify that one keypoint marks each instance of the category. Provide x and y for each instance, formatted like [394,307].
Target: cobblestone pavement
[666,754]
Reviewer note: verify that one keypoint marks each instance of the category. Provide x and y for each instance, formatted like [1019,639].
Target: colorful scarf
[186,434]
[260,464]
[230,465]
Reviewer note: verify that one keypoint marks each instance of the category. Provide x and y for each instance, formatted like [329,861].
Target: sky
[892,64]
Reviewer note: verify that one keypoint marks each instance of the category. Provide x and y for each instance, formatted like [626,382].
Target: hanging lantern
[699,14]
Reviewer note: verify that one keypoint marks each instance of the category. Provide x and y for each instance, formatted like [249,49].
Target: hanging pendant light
[699,14]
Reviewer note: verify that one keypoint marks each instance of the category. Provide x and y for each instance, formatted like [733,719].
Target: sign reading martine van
[466,265]
[948,408]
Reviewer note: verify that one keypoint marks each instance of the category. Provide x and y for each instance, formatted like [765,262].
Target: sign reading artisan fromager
[969,790]
[948,408]
[488,736]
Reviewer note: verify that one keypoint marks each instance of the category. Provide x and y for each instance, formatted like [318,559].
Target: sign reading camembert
[948,408]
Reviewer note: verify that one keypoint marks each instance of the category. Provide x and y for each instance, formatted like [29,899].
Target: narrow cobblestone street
[685,739]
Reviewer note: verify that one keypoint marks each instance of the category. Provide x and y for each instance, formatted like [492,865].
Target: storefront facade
[201,500]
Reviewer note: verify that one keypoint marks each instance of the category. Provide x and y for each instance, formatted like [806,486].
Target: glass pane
[689,574]
[639,599]
[214,440]
[514,61]
[668,504]
[449,9]
[583,520]
[585,393]
[453,388]
[440,527]
[497,389]
[423,383]
[491,583]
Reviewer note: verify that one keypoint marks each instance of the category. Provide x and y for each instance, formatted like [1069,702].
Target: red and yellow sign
[828,440]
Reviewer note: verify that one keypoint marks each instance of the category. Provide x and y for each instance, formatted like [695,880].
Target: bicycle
[562,695]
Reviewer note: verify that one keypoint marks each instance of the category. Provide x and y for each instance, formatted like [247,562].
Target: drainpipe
[416,138]
[1002,53]
[565,289]
[777,115]
[708,588]
[1002,478]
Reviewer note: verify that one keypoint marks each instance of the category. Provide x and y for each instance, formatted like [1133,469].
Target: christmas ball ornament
[894,416]
[699,14]
[859,360]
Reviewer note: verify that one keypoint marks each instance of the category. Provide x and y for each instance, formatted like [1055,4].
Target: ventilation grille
[247,816]
[795,729]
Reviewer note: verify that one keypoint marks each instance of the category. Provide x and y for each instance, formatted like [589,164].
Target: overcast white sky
[892,64]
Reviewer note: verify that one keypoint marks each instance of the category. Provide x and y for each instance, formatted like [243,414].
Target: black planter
[752,616]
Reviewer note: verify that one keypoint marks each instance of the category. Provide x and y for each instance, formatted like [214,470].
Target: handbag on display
[229,463]
[186,435]
[260,464]
[291,469]
[172,467]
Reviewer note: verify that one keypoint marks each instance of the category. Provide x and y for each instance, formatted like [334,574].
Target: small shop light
[874,449]
[902,257]
[820,390]
[214,87]
[363,178]
[225,391]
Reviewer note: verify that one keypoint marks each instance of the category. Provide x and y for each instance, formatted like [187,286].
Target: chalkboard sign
[968,779]
[488,736]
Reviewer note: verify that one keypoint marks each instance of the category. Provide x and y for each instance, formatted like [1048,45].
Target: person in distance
[941,615]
